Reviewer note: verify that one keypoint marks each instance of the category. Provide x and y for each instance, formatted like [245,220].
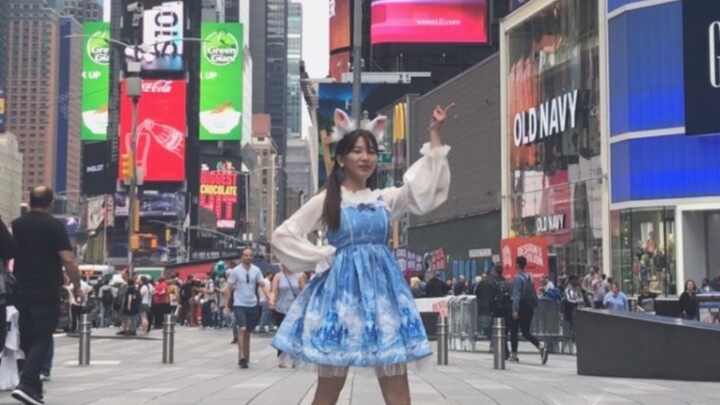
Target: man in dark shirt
[43,249]
[485,292]
[435,287]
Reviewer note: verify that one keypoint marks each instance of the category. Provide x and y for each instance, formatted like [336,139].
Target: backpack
[107,297]
[528,296]
[501,303]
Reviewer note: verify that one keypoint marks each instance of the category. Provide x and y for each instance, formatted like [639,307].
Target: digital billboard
[339,24]
[160,149]
[221,190]
[2,108]
[428,21]
[339,64]
[153,205]
[221,82]
[95,81]
[157,37]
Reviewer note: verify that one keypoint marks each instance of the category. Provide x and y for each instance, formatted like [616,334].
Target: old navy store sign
[552,117]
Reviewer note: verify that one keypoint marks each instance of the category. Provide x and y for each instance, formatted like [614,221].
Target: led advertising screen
[95,81]
[339,64]
[153,205]
[160,129]
[221,187]
[159,34]
[339,24]
[221,82]
[428,21]
[2,108]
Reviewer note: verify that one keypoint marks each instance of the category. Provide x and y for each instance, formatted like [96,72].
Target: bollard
[84,348]
[499,343]
[168,356]
[442,341]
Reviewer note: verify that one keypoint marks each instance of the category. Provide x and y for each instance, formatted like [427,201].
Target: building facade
[469,220]
[85,10]
[263,182]
[11,173]
[294,56]
[68,159]
[32,89]
[664,142]
[298,171]
[213,10]
[268,46]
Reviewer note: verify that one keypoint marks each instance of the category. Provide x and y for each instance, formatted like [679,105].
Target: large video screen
[160,129]
[158,33]
[428,21]
[221,192]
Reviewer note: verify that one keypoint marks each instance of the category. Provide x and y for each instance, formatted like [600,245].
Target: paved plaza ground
[130,371]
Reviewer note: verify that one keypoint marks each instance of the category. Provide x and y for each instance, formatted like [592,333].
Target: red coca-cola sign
[160,149]
[157,86]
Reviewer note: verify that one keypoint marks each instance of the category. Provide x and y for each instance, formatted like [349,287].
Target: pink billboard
[429,21]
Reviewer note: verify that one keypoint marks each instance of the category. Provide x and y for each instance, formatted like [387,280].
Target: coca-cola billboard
[160,149]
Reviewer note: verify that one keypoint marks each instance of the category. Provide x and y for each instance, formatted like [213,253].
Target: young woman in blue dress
[358,311]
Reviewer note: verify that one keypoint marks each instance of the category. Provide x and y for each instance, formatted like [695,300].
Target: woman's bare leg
[395,389]
[328,390]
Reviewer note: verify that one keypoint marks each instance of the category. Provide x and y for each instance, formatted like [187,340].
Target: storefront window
[643,242]
[553,133]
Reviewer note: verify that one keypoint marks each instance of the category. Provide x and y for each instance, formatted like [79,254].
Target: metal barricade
[468,309]
[455,323]
[549,327]
[463,322]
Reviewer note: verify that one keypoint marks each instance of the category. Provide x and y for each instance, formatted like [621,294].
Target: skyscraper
[213,10]
[294,56]
[32,75]
[84,10]
[4,14]
[268,45]
[68,145]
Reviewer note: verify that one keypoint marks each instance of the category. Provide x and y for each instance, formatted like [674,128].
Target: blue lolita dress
[358,311]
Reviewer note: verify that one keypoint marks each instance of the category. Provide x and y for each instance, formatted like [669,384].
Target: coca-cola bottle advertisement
[160,149]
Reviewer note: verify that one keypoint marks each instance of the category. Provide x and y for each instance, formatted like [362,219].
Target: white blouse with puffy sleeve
[425,187]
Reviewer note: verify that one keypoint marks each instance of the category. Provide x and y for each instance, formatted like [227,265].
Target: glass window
[643,249]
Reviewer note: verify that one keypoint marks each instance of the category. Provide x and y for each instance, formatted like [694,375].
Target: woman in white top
[359,311]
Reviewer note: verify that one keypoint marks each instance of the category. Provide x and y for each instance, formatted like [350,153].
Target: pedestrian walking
[286,286]
[43,249]
[242,285]
[8,249]
[266,317]
[107,299]
[132,300]
[358,311]
[524,302]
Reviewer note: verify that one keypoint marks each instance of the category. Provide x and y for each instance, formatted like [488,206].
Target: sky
[316,43]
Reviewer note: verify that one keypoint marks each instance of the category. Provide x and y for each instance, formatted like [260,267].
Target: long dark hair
[333,194]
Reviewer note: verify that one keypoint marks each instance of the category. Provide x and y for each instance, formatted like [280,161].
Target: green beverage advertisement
[221,82]
[95,81]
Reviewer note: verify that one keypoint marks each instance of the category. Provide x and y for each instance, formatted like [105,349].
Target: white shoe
[44,377]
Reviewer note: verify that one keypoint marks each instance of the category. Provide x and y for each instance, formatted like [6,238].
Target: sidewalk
[129,371]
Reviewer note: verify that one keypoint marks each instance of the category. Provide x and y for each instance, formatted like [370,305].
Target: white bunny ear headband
[343,126]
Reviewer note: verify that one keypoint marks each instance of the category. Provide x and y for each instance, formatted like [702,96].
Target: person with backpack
[107,299]
[524,302]
[501,305]
[132,301]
